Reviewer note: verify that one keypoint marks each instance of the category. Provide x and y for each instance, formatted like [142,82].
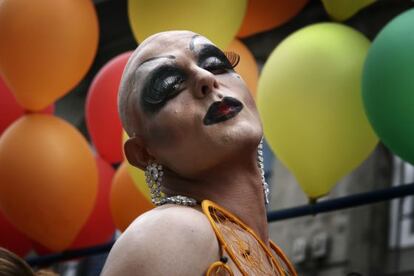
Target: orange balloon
[127,203]
[48,179]
[263,15]
[247,67]
[46,48]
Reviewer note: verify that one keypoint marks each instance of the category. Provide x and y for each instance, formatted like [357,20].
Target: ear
[136,153]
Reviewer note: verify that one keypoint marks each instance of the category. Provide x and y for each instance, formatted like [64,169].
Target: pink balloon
[10,110]
[102,118]
[99,228]
[12,239]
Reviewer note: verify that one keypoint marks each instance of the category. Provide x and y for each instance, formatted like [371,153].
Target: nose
[205,83]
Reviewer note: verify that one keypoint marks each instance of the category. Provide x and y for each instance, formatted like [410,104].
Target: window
[402,210]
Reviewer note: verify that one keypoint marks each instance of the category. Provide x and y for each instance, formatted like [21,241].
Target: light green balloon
[310,101]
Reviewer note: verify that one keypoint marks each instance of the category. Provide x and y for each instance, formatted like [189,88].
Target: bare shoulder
[168,240]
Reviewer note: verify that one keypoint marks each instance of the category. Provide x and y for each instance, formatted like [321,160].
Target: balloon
[215,19]
[343,9]
[388,85]
[263,15]
[310,102]
[102,118]
[12,239]
[138,176]
[40,249]
[247,66]
[46,47]
[99,227]
[48,179]
[10,110]
[127,203]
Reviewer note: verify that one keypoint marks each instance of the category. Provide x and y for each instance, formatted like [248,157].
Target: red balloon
[10,110]
[99,228]
[12,239]
[48,110]
[102,118]
[40,249]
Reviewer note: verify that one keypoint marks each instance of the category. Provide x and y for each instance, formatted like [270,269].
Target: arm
[165,241]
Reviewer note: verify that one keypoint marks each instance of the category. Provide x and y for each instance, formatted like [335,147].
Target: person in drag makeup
[195,130]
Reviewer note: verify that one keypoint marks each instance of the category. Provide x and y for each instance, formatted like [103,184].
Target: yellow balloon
[343,9]
[215,19]
[138,176]
[310,101]
[247,67]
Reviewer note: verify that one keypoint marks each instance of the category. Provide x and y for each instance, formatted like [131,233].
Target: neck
[235,185]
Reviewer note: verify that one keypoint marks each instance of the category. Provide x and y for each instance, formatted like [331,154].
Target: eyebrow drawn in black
[154,58]
[193,38]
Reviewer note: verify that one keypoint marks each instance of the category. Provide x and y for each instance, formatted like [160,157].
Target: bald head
[170,100]
[158,46]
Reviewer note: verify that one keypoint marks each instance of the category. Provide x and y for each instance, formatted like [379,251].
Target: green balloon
[388,85]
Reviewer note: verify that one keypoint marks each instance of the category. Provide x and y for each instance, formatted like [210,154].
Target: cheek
[246,97]
[160,131]
[242,90]
[234,81]
[160,136]
[250,102]
[170,127]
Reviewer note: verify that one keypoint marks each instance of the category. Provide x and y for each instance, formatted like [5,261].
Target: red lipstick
[222,110]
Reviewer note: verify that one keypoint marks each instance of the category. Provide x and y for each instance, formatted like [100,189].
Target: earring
[153,177]
[266,190]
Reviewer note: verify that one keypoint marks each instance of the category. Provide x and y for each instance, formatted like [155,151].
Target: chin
[242,134]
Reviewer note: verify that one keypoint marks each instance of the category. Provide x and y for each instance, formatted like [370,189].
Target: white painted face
[189,105]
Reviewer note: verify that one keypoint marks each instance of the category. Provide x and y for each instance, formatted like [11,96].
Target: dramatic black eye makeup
[164,83]
[214,60]
[168,80]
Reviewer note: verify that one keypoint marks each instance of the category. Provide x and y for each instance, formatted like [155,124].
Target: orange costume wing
[250,255]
